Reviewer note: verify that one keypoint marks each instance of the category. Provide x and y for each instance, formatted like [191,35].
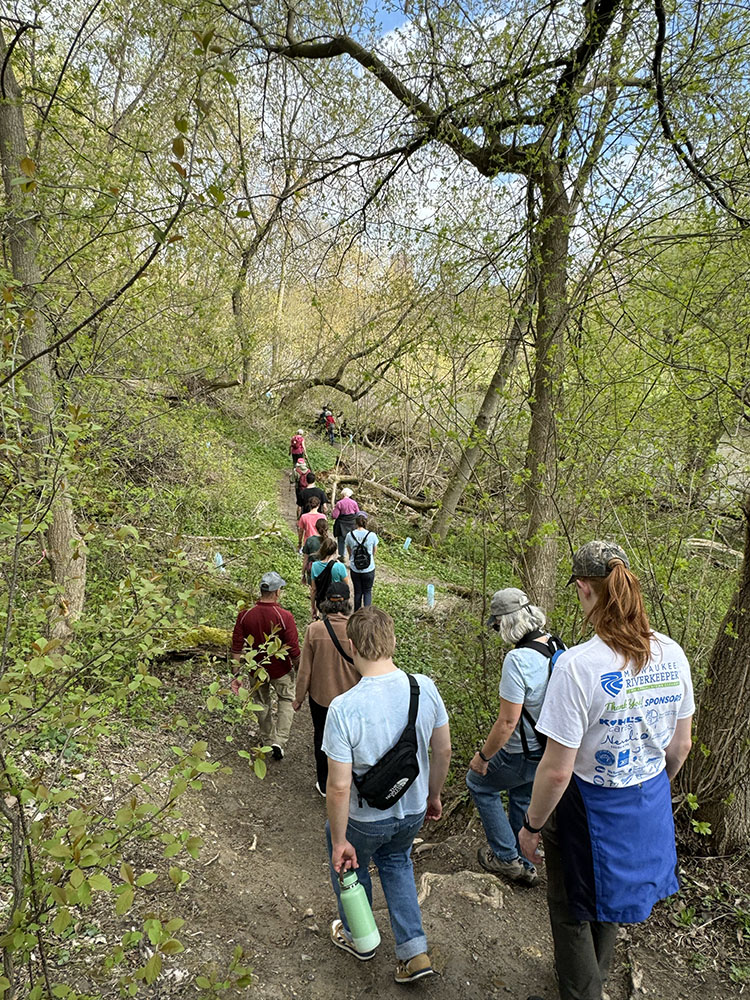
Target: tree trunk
[718,771]
[238,313]
[540,547]
[63,539]
[470,456]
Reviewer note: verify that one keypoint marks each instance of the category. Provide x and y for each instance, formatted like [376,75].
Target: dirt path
[262,882]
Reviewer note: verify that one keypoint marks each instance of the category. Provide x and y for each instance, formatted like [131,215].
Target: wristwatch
[528,826]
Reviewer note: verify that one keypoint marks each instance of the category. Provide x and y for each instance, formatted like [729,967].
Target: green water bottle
[364,931]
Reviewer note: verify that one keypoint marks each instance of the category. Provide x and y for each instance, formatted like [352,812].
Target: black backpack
[360,555]
[322,582]
[551,649]
[396,771]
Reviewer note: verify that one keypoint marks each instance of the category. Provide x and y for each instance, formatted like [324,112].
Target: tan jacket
[322,671]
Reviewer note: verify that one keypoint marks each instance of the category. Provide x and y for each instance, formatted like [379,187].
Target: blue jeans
[511,772]
[388,843]
[362,583]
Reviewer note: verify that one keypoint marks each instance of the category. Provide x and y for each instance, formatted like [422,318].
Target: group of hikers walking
[347,556]
[586,742]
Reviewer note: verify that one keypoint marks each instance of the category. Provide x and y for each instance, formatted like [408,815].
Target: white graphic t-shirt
[621,722]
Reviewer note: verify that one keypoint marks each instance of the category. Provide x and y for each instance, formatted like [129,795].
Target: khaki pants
[276,730]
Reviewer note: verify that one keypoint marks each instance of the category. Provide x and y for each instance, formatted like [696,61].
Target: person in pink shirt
[306,524]
[343,518]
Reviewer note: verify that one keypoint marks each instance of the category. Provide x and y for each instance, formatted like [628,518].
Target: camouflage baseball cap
[593,558]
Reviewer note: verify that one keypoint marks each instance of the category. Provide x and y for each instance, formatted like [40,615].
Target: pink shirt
[307,524]
[345,506]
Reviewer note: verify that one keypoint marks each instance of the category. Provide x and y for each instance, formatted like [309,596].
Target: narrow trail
[262,882]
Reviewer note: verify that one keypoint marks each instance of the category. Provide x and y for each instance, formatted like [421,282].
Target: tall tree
[719,773]
[515,110]
[65,550]
[535,94]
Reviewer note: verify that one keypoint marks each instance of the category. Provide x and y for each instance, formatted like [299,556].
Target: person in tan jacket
[325,671]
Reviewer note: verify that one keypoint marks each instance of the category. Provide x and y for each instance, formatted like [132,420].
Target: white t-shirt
[363,723]
[621,722]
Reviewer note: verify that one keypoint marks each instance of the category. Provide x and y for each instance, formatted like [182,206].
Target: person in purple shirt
[344,513]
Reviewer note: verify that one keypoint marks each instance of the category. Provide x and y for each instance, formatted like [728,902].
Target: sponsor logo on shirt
[612,683]
[605,757]
[627,721]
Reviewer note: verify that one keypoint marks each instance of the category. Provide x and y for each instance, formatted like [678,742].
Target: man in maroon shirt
[254,627]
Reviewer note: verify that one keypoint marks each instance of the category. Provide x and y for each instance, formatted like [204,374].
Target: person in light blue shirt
[508,759]
[362,540]
[361,726]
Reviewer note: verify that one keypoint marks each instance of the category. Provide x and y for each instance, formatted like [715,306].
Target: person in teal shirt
[326,570]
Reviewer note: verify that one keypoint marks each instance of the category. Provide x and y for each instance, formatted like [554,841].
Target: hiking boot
[277,752]
[515,870]
[339,938]
[319,790]
[415,968]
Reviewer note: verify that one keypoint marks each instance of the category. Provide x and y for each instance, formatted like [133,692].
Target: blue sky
[389,19]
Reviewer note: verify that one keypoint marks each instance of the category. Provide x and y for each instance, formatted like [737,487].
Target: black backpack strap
[335,641]
[413,700]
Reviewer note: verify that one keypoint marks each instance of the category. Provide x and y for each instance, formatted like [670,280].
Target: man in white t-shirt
[361,726]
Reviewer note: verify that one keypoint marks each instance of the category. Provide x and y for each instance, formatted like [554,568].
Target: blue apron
[618,849]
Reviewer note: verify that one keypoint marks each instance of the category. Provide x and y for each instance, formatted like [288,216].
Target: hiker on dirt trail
[344,520]
[327,569]
[298,477]
[326,669]
[330,426]
[297,446]
[362,725]
[254,627]
[617,716]
[311,548]
[307,524]
[361,544]
[508,758]
[310,491]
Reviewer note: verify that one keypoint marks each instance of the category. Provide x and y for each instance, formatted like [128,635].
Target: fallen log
[200,641]
[386,490]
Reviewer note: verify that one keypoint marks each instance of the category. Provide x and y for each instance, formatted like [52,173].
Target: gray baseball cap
[506,602]
[593,558]
[271,582]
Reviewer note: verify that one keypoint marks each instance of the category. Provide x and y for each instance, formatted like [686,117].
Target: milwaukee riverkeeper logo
[612,683]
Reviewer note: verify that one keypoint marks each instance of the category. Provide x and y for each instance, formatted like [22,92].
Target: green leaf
[203,982]
[260,768]
[146,879]
[126,873]
[63,919]
[178,147]
[124,900]
[152,968]
[181,124]
[99,882]
[171,947]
